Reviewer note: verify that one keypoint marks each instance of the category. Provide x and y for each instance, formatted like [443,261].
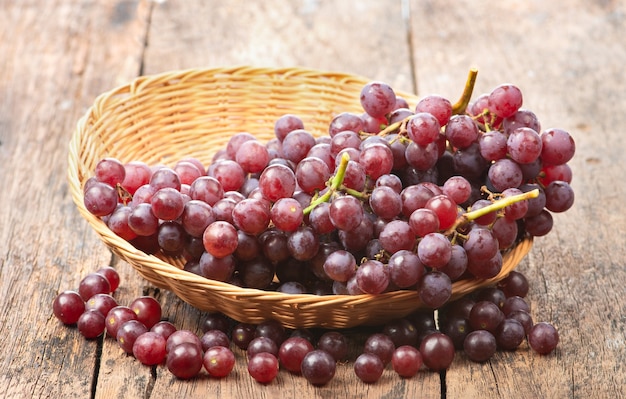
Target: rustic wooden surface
[57,55]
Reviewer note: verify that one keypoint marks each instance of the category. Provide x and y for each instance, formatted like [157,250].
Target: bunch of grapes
[393,198]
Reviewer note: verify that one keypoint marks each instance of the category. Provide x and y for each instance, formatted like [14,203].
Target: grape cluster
[393,198]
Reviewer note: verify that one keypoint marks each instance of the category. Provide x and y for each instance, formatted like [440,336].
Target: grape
[505,231]
[480,245]
[377,160]
[242,334]
[184,360]
[180,337]
[100,199]
[292,352]
[149,348]
[405,269]
[252,156]
[286,214]
[368,367]
[216,321]
[372,277]
[461,131]
[263,367]
[187,172]
[558,146]
[543,338]
[229,174]
[524,145]
[457,265]
[147,309]
[559,196]
[218,361]
[167,204]
[479,345]
[196,217]
[257,273]
[469,162]
[303,244]
[485,315]
[514,303]
[434,250]
[421,157]
[517,210]
[214,268]
[423,128]
[101,303]
[539,225]
[457,188]
[377,99]
[334,343]
[165,177]
[286,124]
[171,237]
[220,239]
[128,333]
[423,221]
[164,329]
[261,344]
[116,317]
[277,181]
[91,324]
[522,118]
[415,197]
[345,121]
[550,173]
[397,235]
[445,209]
[312,173]
[118,222]
[510,334]
[340,265]
[524,318]
[487,219]
[406,361]
[297,144]
[434,289]
[505,100]
[505,173]
[318,367]
[346,212]
[207,189]
[515,283]
[381,346]
[492,145]
[92,284]
[110,171]
[251,215]
[137,174]
[437,351]
[440,107]
[385,202]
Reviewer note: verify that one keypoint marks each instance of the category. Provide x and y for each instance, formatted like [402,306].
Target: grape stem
[495,206]
[335,183]
[460,106]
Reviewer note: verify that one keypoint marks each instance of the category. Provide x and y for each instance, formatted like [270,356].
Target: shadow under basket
[162,118]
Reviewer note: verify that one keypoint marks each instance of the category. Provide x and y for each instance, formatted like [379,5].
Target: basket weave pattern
[162,118]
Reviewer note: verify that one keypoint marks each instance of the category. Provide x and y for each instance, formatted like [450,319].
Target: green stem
[495,206]
[335,183]
[460,106]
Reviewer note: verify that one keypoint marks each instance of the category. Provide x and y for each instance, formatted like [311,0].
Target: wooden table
[56,56]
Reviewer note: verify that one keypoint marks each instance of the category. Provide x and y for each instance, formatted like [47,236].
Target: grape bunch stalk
[395,197]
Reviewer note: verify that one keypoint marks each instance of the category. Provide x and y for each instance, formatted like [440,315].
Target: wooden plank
[566,59]
[56,58]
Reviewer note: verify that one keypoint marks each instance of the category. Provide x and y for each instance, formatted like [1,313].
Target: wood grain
[57,55]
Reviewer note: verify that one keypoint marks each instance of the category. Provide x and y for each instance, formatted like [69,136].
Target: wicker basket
[162,118]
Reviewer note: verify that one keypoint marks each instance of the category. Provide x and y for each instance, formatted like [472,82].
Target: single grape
[252,156]
[180,337]
[285,124]
[524,145]
[479,345]
[372,277]
[434,289]
[184,360]
[263,367]
[368,367]
[485,315]
[461,131]
[318,367]
[543,338]
[377,99]
[100,199]
[510,334]
[102,303]
[218,361]
[405,269]
[92,284]
[91,324]
[381,346]
[149,348]
[116,317]
[437,351]
[558,146]
[505,100]
[167,204]
[147,309]
[128,333]
[346,212]
[406,361]
[292,352]
[434,250]
[335,343]
[440,107]
[164,329]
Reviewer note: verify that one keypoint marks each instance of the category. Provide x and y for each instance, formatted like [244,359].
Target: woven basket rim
[167,270]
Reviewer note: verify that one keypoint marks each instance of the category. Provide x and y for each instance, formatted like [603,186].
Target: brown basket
[163,118]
